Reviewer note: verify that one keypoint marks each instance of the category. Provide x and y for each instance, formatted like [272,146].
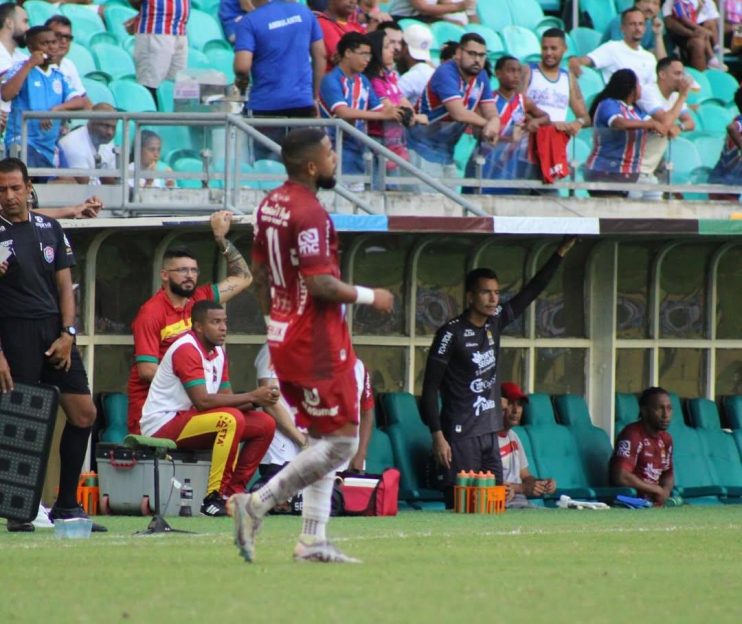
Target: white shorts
[159,57]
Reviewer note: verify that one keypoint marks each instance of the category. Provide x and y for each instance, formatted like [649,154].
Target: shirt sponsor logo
[481,385]
[624,448]
[482,405]
[320,412]
[468,333]
[471,345]
[484,360]
[49,254]
[43,226]
[311,397]
[445,342]
[277,331]
[294,19]
[308,242]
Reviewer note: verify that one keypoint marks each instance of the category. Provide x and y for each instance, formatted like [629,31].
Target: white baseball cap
[419,40]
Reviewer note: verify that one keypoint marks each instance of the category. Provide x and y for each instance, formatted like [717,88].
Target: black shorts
[24,342]
[480,453]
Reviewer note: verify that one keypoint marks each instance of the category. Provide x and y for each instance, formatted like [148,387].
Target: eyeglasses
[66,37]
[184,271]
[476,55]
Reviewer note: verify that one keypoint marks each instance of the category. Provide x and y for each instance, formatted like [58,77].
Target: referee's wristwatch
[71,330]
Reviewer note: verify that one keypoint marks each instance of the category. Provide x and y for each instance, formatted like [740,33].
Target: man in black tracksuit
[462,367]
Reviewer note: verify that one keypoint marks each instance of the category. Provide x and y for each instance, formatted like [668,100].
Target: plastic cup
[74,528]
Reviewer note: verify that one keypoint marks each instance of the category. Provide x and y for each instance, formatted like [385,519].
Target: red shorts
[322,406]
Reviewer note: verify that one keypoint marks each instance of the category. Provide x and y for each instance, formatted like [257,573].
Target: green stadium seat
[593,445]
[733,415]
[693,472]
[128,44]
[405,23]
[412,445]
[165,96]
[627,410]
[586,39]
[217,44]
[578,150]
[189,165]
[705,93]
[379,455]
[723,85]
[684,158]
[601,13]
[445,31]
[721,450]
[521,43]
[591,83]
[39,11]
[463,150]
[198,60]
[714,118]
[115,16]
[495,47]
[527,448]
[174,155]
[622,5]
[103,37]
[222,60]
[132,97]
[272,167]
[83,60]
[555,449]
[709,149]
[114,406]
[113,60]
[174,139]
[98,92]
[85,22]
[202,28]
[530,15]
[551,5]
[495,15]
[245,168]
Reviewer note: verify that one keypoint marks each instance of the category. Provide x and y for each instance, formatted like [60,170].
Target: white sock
[320,458]
[317,502]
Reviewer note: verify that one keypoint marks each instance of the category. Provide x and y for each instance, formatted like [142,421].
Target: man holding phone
[37,325]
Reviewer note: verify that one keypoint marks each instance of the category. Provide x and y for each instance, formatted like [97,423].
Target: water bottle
[186,499]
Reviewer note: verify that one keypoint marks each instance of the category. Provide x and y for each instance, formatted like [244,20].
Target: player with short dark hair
[191,402]
[167,314]
[295,253]
[642,457]
[37,325]
[462,370]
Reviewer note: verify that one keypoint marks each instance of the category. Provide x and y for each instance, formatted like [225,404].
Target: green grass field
[667,565]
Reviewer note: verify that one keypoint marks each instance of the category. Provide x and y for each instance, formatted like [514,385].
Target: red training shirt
[648,456]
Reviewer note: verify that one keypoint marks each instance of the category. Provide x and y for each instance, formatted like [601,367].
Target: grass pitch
[665,565]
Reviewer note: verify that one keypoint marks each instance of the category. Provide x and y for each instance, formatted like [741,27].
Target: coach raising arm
[37,325]
[462,367]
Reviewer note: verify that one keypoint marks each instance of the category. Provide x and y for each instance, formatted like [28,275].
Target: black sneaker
[62,513]
[214,506]
[16,526]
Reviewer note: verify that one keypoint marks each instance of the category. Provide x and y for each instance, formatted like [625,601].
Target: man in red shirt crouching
[642,457]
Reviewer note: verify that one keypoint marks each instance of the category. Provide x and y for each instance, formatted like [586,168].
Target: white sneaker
[246,524]
[42,520]
[715,63]
[323,552]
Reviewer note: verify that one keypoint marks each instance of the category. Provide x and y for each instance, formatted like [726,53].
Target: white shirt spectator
[7,60]
[707,12]
[413,82]
[77,151]
[69,69]
[615,55]
[652,100]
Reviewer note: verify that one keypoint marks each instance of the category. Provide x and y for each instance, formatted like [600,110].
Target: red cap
[513,392]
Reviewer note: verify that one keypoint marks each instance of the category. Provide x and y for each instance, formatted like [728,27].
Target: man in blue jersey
[37,85]
[458,95]
[231,13]
[346,93]
[279,46]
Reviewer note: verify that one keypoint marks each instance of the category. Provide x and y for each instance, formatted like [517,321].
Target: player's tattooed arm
[238,274]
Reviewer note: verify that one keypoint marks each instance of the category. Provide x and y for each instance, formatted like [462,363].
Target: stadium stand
[626,411]
[85,23]
[113,61]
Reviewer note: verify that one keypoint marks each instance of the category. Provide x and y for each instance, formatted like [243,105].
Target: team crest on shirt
[57,86]
[308,242]
[49,254]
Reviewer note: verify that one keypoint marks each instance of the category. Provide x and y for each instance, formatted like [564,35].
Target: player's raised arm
[238,274]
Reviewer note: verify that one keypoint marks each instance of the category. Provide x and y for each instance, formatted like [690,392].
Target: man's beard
[326,182]
[20,39]
[180,291]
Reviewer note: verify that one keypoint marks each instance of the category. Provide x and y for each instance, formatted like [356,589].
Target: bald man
[90,147]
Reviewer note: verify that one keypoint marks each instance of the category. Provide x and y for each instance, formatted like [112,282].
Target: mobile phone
[5,253]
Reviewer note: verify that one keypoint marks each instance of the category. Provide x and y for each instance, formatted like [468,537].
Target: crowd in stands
[469,106]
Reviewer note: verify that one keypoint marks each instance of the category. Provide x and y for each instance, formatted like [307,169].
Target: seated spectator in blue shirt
[279,47]
[231,13]
[620,133]
[37,85]
[346,93]
[653,35]
[458,95]
[519,116]
[729,168]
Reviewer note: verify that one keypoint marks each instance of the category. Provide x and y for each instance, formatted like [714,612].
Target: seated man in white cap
[415,64]
[515,474]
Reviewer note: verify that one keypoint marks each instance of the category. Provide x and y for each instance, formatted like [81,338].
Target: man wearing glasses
[61,26]
[166,315]
[458,95]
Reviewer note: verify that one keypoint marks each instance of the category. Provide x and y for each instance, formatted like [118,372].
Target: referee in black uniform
[462,367]
[37,331]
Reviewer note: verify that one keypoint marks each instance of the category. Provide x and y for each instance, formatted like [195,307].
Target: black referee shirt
[39,248]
